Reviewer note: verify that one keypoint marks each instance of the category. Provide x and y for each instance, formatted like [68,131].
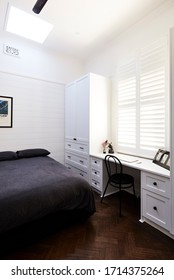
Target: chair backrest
[113,165]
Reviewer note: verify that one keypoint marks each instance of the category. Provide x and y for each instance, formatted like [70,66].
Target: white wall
[36,61]
[149,29]
[36,82]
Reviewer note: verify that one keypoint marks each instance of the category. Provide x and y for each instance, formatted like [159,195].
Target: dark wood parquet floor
[103,236]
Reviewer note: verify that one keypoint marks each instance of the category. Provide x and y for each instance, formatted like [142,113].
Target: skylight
[27,25]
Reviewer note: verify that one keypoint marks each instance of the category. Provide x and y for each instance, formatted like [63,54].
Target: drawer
[78,171]
[96,163]
[77,147]
[96,174]
[96,184]
[158,184]
[77,160]
[157,209]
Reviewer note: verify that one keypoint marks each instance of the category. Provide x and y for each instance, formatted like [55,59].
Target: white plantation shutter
[127,107]
[152,97]
[142,107]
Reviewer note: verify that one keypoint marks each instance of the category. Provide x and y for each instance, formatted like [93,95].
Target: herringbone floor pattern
[104,236]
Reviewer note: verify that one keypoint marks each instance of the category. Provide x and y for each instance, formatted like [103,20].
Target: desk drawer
[96,163]
[96,173]
[157,184]
[157,209]
[96,184]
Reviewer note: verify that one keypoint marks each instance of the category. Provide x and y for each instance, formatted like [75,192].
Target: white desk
[138,163]
[154,183]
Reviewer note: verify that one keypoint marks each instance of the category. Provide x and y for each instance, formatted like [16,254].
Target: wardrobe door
[70,111]
[82,109]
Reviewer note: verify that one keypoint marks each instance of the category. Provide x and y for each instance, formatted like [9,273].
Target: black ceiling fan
[39,6]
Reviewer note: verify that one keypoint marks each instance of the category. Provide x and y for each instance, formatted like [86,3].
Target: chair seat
[125,179]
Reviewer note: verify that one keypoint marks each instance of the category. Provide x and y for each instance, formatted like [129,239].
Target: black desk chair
[116,177]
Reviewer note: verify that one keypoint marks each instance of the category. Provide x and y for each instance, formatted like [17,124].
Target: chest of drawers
[156,199]
[77,158]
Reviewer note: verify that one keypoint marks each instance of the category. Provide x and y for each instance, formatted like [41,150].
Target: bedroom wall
[36,82]
[124,46]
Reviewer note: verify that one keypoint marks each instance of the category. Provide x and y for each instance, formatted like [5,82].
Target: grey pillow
[32,153]
[8,155]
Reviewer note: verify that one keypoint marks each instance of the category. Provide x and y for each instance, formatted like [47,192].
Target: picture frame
[6,112]
[162,158]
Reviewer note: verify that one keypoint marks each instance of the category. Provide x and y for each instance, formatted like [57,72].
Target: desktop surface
[137,163]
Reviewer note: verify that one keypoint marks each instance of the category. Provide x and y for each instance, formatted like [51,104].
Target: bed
[33,185]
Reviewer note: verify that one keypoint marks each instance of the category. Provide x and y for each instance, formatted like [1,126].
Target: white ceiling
[83,26]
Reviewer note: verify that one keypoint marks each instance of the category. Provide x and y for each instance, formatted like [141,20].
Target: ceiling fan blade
[38,6]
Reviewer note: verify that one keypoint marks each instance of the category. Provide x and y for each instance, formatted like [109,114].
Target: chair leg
[134,193]
[104,192]
[133,189]
[135,197]
[120,200]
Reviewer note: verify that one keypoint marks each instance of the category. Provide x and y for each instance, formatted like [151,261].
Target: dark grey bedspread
[31,188]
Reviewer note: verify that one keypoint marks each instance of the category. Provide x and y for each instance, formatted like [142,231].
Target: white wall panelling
[38,115]
[172,124]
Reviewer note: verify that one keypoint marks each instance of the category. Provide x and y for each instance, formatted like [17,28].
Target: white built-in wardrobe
[87,120]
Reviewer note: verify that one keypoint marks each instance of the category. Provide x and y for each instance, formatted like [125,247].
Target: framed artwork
[6,111]
[162,158]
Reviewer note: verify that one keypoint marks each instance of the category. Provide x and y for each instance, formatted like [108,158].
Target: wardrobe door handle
[155,208]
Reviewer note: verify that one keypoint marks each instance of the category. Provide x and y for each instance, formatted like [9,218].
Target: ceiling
[81,27]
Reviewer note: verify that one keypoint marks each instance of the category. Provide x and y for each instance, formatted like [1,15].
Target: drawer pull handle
[155,183]
[81,161]
[81,174]
[74,139]
[95,161]
[95,172]
[69,145]
[155,208]
[69,156]
[81,148]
